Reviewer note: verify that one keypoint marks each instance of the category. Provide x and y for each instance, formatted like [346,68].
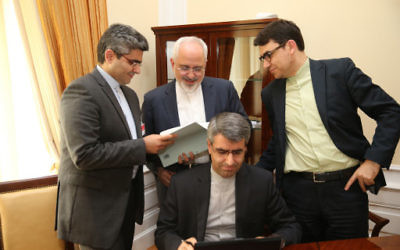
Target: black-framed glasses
[268,54]
[186,69]
[132,62]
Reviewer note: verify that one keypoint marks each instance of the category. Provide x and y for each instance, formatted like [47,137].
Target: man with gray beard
[191,97]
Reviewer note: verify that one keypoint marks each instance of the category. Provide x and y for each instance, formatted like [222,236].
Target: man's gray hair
[121,39]
[186,39]
[233,126]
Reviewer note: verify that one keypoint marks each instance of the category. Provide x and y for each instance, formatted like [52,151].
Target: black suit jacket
[185,210]
[160,110]
[340,88]
[97,158]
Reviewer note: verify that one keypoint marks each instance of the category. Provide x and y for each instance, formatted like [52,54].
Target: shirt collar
[215,177]
[109,79]
[303,70]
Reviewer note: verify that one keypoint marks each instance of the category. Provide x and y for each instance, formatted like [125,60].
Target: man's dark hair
[280,31]
[121,39]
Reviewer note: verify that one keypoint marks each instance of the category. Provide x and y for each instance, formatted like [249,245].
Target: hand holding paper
[190,138]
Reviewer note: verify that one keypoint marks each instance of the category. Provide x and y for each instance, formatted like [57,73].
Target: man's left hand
[365,174]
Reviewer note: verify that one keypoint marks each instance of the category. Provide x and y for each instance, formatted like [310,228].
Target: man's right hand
[164,176]
[188,244]
[154,143]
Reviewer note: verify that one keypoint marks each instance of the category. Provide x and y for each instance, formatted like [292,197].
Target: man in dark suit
[102,150]
[318,148]
[190,98]
[224,199]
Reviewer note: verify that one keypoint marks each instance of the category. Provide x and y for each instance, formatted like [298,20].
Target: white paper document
[191,138]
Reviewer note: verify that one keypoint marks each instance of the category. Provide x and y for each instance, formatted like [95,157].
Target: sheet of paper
[191,138]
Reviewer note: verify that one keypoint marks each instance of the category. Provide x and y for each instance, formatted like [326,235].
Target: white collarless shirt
[221,220]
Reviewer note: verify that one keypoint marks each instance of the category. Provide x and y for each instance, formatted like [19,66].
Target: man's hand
[154,143]
[188,244]
[185,159]
[365,174]
[164,176]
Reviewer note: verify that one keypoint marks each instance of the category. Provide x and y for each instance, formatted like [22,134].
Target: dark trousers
[125,236]
[325,210]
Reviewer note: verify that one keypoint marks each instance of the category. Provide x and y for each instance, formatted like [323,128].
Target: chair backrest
[27,214]
[379,221]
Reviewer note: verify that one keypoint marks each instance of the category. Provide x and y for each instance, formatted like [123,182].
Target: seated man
[225,200]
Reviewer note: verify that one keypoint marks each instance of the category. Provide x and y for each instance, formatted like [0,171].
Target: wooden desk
[384,243]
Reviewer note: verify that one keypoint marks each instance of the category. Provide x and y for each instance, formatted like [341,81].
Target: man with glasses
[323,162]
[191,97]
[101,191]
[224,199]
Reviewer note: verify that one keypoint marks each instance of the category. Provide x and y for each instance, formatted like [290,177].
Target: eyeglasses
[186,69]
[133,62]
[268,54]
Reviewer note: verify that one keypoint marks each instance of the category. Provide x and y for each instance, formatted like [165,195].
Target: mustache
[194,79]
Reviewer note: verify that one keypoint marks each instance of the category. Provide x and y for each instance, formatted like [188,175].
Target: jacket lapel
[134,110]
[209,99]
[202,201]
[243,193]
[319,85]
[110,94]
[279,102]
[170,104]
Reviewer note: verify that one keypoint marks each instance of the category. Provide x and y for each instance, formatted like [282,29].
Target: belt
[322,177]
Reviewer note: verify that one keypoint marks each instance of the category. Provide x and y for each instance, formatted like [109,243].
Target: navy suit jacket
[160,110]
[340,88]
[185,210]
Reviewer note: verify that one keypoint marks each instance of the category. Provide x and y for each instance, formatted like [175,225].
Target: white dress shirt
[191,109]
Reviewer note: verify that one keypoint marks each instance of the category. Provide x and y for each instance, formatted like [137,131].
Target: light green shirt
[309,147]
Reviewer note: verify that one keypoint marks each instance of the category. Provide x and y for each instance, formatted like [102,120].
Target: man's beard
[190,87]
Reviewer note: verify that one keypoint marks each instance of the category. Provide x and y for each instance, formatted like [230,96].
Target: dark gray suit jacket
[160,110]
[97,158]
[185,210]
[340,88]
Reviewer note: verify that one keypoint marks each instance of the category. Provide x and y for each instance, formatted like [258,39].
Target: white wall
[141,15]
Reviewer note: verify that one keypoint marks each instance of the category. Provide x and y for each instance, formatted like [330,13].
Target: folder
[191,138]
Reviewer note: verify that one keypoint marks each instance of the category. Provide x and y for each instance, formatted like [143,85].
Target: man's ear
[172,62]
[292,45]
[209,146]
[109,55]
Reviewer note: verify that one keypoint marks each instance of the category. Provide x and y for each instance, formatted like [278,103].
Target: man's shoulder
[218,82]
[332,61]
[257,172]
[159,90]
[87,80]
[186,175]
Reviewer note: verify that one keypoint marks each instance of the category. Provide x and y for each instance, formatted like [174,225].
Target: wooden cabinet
[231,55]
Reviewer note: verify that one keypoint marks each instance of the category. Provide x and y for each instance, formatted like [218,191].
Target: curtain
[24,151]
[225,53]
[72,30]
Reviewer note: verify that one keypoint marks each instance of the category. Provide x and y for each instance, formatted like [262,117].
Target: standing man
[224,199]
[190,98]
[323,162]
[101,178]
